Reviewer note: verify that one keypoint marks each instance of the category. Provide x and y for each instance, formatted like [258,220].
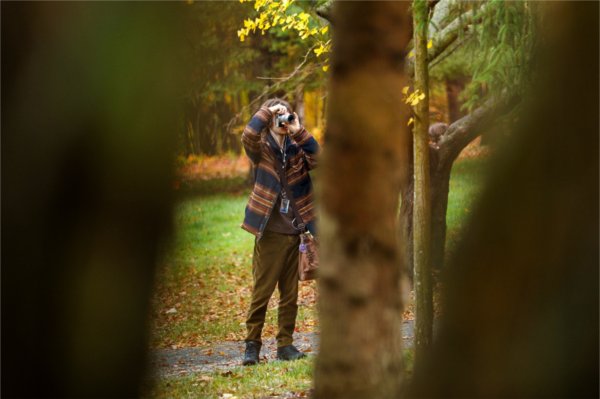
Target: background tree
[360,303]
[484,40]
[422,203]
[521,312]
[221,76]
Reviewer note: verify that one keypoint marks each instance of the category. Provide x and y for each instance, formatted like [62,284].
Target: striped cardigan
[301,149]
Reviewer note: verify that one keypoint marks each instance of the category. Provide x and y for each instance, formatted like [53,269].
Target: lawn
[273,379]
[205,283]
[466,183]
[204,286]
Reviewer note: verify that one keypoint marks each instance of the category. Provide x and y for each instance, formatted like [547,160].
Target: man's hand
[287,128]
[294,127]
[278,109]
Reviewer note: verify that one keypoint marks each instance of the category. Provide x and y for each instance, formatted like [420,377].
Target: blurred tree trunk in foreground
[521,311]
[360,303]
[89,106]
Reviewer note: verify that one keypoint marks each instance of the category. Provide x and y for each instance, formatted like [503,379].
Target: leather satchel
[308,257]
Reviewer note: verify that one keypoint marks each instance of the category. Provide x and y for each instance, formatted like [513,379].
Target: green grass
[197,187]
[466,183]
[208,262]
[266,379]
[207,277]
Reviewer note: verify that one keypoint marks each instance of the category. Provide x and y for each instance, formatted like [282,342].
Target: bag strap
[280,168]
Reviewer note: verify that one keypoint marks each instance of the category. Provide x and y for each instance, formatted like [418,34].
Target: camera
[285,118]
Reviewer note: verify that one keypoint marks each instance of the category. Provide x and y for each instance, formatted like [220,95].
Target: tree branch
[295,71]
[325,12]
[440,13]
[269,90]
[444,38]
[467,128]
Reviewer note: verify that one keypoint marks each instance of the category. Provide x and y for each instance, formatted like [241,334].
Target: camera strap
[280,168]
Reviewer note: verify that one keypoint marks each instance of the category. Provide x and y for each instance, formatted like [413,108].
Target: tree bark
[360,298]
[440,187]
[422,199]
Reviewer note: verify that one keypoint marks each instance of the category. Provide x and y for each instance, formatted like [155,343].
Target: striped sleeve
[309,146]
[251,134]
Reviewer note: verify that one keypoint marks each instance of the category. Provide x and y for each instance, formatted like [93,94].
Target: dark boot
[289,352]
[252,352]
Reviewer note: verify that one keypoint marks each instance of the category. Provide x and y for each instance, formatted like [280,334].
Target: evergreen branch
[447,53]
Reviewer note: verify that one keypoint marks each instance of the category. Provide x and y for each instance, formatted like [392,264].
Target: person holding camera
[274,140]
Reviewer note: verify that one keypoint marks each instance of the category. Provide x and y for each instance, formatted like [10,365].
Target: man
[275,139]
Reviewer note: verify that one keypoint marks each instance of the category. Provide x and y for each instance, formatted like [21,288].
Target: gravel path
[226,355]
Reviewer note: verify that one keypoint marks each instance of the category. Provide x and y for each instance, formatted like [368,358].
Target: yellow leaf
[411,54]
[405,90]
[411,120]
[325,68]
[325,29]
[430,44]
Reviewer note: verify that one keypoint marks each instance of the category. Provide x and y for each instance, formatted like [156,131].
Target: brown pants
[275,262]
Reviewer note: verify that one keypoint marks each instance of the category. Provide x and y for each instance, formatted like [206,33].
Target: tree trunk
[299,102]
[360,298]
[406,218]
[440,187]
[422,199]
[442,157]
[521,306]
[86,191]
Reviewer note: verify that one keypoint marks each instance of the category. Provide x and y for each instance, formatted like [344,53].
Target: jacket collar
[275,146]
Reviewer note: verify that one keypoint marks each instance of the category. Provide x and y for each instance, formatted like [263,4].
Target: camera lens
[288,118]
